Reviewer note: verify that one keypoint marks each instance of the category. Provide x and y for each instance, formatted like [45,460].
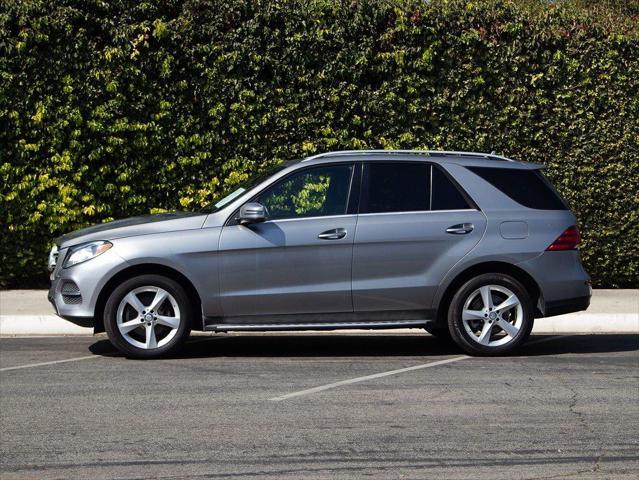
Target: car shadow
[362,345]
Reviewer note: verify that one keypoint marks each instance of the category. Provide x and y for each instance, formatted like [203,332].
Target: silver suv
[465,245]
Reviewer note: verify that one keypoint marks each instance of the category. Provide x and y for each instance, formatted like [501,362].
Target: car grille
[71,293]
[72,299]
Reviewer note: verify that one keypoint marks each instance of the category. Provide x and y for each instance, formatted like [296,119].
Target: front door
[414,225]
[299,260]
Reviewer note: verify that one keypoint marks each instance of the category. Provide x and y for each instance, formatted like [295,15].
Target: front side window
[228,195]
[396,187]
[312,192]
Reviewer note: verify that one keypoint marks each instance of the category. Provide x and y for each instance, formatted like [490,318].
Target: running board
[269,327]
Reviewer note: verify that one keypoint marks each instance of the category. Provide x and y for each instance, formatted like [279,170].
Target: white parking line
[328,386]
[367,377]
[301,392]
[41,364]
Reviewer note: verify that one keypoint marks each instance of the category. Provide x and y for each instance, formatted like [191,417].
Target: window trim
[420,212]
[233,218]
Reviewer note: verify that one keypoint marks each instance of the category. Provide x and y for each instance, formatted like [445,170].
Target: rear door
[414,224]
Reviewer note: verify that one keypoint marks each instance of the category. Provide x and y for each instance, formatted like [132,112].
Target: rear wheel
[148,316]
[492,314]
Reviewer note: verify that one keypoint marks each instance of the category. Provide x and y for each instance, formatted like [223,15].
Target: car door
[299,260]
[414,224]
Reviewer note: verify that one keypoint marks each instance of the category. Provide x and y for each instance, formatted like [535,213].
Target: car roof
[433,156]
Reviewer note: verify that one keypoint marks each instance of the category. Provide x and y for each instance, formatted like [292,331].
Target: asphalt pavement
[321,406]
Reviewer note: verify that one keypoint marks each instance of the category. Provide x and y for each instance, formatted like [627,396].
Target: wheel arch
[144,269]
[529,283]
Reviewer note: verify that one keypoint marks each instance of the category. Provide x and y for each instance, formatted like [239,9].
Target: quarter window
[313,192]
[527,187]
[446,196]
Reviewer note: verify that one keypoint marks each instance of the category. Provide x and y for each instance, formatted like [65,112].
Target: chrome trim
[349,215]
[429,153]
[420,211]
[221,327]
[277,220]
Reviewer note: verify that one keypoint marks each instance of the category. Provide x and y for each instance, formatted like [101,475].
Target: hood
[130,227]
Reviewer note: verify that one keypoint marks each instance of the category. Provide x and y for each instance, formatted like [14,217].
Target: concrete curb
[573,323]
[27,312]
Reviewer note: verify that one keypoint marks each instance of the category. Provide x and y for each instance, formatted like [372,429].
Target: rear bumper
[563,283]
[560,307]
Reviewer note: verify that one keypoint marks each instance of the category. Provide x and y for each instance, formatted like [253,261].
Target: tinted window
[313,192]
[396,187]
[446,195]
[527,187]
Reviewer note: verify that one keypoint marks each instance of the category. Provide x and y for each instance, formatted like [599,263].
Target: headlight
[86,252]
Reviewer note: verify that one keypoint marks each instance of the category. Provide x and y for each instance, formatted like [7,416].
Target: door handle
[460,228]
[334,234]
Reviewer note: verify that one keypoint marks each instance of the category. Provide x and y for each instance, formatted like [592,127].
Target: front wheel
[148,316]
[492,314]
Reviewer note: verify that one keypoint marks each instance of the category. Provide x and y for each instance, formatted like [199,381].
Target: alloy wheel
[492,315]
[148,317]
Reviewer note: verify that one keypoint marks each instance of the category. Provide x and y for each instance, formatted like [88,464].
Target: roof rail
[429,153]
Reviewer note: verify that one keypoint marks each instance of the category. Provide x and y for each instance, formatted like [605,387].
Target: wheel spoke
[172,322]
[486,297]
[126,327]
[133,300]
[151,341]
[507,327]
[472,315]
[510,302]
[484,336]
[160,296]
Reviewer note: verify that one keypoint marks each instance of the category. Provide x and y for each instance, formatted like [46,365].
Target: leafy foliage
[120,107]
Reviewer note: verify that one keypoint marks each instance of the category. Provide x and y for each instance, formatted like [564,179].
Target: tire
[148,316]
[481,329]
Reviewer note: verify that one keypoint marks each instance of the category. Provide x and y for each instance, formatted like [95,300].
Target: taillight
[569,240]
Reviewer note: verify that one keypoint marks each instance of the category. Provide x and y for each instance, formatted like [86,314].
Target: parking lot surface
[320,406]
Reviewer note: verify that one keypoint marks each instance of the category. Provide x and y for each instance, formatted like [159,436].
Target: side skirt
[333,321]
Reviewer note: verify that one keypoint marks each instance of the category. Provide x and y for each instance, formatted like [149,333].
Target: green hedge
[110,108]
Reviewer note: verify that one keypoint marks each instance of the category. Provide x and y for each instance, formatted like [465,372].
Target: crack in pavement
[582,420]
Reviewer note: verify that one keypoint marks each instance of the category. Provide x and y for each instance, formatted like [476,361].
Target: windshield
[227,195]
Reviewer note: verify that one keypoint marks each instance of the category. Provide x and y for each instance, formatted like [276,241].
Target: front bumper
[80,321]
[74,291]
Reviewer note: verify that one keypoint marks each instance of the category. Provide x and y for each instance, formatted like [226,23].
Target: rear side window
[526,187]
[446,196]
[396,187]
[408,187]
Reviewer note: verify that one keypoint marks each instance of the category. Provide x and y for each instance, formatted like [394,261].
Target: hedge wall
[114,108]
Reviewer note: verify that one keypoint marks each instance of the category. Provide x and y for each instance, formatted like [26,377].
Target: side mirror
[252,213]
